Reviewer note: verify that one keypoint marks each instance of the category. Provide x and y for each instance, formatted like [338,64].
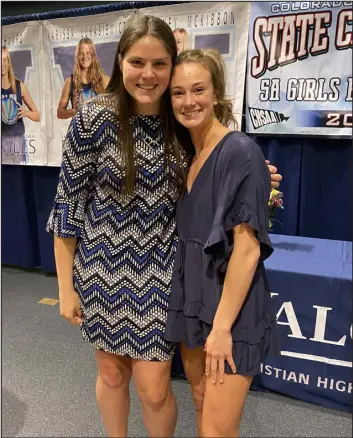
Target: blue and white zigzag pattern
[126,246]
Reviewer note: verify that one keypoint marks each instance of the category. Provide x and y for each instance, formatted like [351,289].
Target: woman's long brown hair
[139,27]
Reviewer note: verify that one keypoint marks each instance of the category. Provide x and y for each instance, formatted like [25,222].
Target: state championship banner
[68,47]
[23,132]
[299,77]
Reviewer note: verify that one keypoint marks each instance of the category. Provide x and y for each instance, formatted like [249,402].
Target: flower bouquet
[275,201]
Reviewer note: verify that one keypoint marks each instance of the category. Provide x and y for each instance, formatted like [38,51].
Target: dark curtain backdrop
[317,184]
[317,188]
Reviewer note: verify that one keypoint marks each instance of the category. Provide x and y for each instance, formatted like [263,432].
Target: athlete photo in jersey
[87,80]
[14,94]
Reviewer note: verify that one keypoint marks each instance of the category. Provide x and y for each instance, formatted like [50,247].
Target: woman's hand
[22,112]
[218,349]
[276,178]
[70,308]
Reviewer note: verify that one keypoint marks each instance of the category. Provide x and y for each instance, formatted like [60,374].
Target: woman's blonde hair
[95,70]
[11,74]
[212,61]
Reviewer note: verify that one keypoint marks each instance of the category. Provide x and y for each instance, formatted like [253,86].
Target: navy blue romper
[232,187]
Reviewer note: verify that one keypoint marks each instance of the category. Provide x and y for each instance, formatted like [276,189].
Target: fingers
[277,177]
[71,319]
[74,318]
[20,109]
[221,371]
[275,180]
[208,365]
[231,364]
[79,318]
[273,169]
[267,162]
[214,367]
[211,366]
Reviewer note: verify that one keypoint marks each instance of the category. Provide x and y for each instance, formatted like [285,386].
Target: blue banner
[311,283]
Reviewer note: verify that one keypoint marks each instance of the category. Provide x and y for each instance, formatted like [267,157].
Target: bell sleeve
[77,170]
[242,197]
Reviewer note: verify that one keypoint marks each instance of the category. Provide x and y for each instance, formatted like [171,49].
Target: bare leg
[223,406]
[194,366]
[112,392]
[153,385]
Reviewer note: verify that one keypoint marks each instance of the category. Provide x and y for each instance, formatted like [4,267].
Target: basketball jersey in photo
[10,123]
[86,92]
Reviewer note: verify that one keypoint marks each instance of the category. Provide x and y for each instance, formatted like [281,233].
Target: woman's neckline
[6,88]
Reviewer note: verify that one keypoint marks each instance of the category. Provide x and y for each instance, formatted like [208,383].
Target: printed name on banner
[78,32]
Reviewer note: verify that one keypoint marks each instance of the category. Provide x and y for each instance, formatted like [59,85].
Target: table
[311,284]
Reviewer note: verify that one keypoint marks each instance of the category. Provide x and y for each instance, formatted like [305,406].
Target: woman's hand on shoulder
[276,178]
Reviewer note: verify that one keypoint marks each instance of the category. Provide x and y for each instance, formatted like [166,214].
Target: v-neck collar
[188,193]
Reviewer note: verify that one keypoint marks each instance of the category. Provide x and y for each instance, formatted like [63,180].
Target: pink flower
[279,202]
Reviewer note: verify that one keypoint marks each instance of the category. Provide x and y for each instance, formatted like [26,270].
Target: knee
[219,425]
[198,397]
[155,398]
[114,378]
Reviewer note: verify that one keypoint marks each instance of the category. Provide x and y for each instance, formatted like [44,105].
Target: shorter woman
[219,307]
[13,94]
[87,81]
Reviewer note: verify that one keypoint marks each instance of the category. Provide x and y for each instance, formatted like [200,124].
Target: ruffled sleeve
[77,169]
[243,190]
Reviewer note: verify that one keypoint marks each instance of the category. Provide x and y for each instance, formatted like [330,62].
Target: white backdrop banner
[300,68]
[61,37]
[49,73]
[23,140]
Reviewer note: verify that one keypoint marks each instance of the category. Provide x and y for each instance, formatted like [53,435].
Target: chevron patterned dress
[125,246]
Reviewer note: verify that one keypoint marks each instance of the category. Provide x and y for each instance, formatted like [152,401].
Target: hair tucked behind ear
[212,60]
